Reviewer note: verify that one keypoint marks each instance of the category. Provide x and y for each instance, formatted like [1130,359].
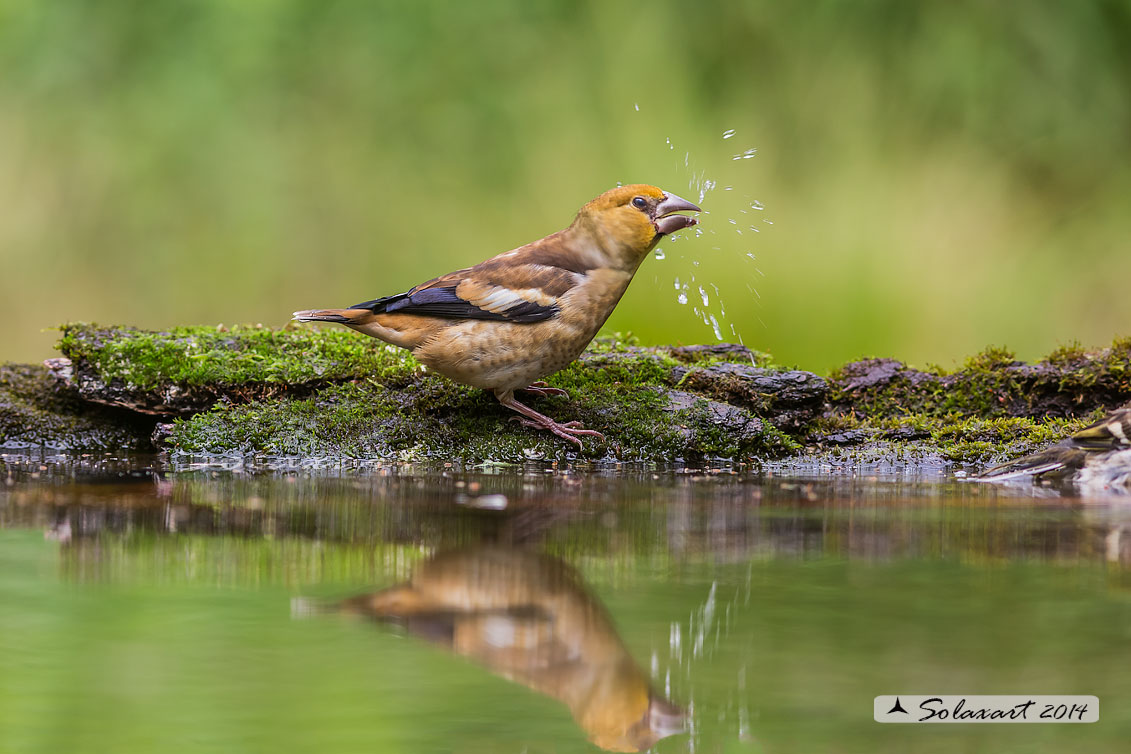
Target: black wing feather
[443,302]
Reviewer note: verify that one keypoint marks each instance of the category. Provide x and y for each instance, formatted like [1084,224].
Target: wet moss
[304,392]
[992,408]
[954,438]
[436,419]
[1069,383]
[37,412]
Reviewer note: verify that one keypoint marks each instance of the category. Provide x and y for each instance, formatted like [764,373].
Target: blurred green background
[935,176]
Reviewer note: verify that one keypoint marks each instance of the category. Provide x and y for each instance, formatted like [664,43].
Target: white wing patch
[499,299]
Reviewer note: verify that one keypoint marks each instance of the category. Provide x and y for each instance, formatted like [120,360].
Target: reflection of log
[529,618]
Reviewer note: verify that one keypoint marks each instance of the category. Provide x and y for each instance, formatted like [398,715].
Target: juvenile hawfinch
[1097,457]
[505,323]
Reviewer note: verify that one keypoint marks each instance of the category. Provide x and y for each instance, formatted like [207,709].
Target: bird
[529,617]
[508,322]
[1098,457]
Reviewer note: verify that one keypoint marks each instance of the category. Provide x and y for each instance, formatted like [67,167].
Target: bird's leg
[541,388]
[530,418]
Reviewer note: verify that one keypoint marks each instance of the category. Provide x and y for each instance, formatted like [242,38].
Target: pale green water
[143,615]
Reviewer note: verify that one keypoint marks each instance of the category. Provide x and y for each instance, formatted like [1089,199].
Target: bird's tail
[341,316]
[404,330]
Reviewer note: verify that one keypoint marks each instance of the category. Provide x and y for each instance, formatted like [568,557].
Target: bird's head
[629,220]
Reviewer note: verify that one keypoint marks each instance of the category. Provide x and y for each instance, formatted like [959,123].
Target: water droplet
[669,143]
[703,295]
[659,253]
[757,205]
[686,158]
[732,221]
[728,133]
[695,263]
[708,185]
[677,284]
[745,155]
[681,298]
[750,255]
[715,327]
[637,107]
[768,222]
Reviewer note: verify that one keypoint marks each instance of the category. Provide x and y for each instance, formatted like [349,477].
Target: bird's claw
[567,431]
[541,388]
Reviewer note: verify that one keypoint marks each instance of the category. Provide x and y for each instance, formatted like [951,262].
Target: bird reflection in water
[528,617]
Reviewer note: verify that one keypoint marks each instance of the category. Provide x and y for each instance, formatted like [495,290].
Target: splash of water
[715,327]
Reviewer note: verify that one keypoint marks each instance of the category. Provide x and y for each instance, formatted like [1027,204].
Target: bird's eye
[639,202]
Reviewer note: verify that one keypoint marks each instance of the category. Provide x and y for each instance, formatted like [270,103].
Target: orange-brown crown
[623,195]
[623,230]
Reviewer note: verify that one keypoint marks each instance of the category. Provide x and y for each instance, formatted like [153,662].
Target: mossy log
[302,392]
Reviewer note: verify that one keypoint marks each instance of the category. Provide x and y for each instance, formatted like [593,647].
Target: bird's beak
[666,222]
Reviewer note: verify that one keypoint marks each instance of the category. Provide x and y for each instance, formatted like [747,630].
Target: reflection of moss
[34,411]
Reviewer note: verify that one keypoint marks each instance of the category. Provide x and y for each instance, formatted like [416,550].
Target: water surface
[201,610]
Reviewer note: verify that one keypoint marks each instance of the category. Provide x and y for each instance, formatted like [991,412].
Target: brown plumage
[529,617]
[506,323]
[1100,451]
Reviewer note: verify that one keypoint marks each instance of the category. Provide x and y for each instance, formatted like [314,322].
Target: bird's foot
[571,431]
[541,388]
[568,430]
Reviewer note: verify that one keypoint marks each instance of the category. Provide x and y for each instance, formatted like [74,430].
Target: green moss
[954,437]
[1068,355]
[364,399]
[211,356]
[437,419]
[992,384]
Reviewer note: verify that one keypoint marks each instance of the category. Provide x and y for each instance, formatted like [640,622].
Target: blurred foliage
[939,175]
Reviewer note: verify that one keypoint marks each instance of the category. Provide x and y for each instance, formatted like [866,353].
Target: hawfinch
[506,323]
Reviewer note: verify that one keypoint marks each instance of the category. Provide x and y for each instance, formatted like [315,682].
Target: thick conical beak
[666,222]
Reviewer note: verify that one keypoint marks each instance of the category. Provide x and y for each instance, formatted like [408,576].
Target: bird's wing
[1110,433]
[520,286]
